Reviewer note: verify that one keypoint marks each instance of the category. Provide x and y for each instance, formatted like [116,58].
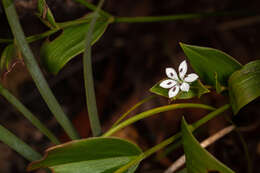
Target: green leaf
[8,55]
[208,61]
[197,89]
[199,160]
[244,85]
[46,15]
[93,155]
[71,42]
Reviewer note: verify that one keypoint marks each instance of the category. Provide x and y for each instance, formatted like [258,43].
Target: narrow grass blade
[32,118]
[88,78]
[18,145]
[35,70]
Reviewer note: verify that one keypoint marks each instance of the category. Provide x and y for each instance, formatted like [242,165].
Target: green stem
[3,40]
[88,78]
[18,145]
[210,116]
[155,111]
[35,71]
[172,139]
[143,19]
[133,108]
[32,118]
[245,148]
[93,7]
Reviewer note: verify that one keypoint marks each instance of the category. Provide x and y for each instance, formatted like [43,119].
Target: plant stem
[155,111]
[6,40]
[88,78]
[247,155]
[18,145]
[32,118]
[133,108]
[143,19]
[172,139]
[210,116]
[93,7]
[35,71]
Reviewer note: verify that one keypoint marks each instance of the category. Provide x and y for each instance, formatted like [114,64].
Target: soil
[128,60]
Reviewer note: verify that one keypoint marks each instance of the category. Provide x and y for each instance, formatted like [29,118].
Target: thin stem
[32,118]
[132,109]
[88,78]
[3,40]
[18,145]
[93,7]
[155,111]
[210,116]
[35,71]
[143,19]
[171,139]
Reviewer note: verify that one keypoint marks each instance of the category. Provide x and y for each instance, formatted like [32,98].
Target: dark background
[127,61]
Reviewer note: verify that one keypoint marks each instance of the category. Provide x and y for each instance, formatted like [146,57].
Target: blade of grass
[155,111]
[35,71]
[132,108]
[172,139]
[32,118]
[18,145]
[143,19]
[88,78]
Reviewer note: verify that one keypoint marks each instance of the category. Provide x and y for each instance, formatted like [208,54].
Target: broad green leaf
[8,55]
[46,15]
[55,54]
[93,155]
[199,160]
[196,90]
[244,85]
[208,61]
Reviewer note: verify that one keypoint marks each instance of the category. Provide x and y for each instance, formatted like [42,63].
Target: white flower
[176,83]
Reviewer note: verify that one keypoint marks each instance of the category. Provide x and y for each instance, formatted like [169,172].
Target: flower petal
[191,77]
[183,69]
[185,87]
[171,73]
[168,83]
[173,91]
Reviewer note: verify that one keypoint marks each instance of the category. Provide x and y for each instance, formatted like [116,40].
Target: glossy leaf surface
[93,155]
[196,90]
[208,61]
[199,160]
[71,42]
[244,85]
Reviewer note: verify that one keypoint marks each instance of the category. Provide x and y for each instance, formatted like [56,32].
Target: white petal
[173,91]
[168,83]
[191,77]
[183,69]
[185,87]
[171,73]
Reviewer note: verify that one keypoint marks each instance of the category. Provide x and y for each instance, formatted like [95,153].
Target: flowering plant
[175,83]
